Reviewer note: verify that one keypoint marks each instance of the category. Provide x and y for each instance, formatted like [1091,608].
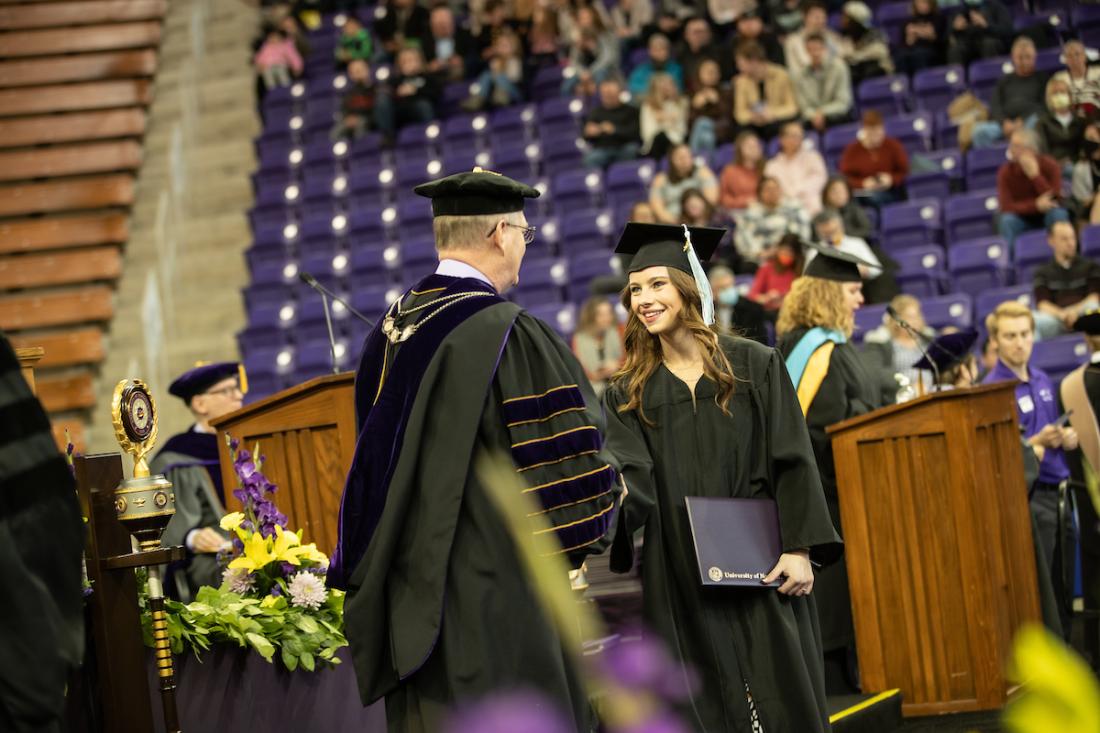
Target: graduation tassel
[706,295]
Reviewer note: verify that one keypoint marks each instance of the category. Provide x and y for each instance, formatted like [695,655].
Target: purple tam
[201,378]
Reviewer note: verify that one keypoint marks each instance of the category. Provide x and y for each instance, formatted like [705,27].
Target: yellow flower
[287,548]
[231,521]
[310,552]
[268,601]
[256,554]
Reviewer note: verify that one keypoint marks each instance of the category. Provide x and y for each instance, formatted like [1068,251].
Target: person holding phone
[696,414]
[1029,187]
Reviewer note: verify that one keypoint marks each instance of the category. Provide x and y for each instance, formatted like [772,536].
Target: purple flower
[287,569]
[275,590]
[509,713]
[642,664]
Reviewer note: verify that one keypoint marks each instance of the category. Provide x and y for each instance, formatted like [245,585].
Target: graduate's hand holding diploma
[795,566]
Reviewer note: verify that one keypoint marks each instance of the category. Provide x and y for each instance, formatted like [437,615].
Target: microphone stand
[325,294]
[918,338]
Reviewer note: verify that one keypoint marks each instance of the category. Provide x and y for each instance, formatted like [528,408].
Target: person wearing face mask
[773,280]
[1083,79]
[734,313]
[1060,130]
[1086,174]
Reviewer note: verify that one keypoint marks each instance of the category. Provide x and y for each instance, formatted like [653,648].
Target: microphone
[325,294]
[919,339]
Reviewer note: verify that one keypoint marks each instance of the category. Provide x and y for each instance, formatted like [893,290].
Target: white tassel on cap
[706,295]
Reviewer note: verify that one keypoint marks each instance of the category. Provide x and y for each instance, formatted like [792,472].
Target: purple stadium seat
[514,122]
[465,130]
[1089,244]
[970,215]
[837,138]
[887,94]
[979,264]
[933,184]
[322,184]
[560,317]
[562,108]
[417,251]
[628,182]
[986,302]
[374,263]
[933,89]
[1060,355]
[913,130]
[373,301]
[322,223]
[370,178]
[577,189]
[585,230]
[1032,250]
[1056,19]
[982,165]
[256,337]
[984,75]
[955,310]
[891,18]
[367,146]
[275,232]
[370,220]
[547,83]
[868,318]
[720,157]
[414,172]
[561,155]
[911,223]
[454,94]
[584,267]
[921,270]
[542,272]
[272,192]
[1049,61]
[270,361]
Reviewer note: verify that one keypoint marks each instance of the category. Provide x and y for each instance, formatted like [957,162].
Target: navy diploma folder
[736,541]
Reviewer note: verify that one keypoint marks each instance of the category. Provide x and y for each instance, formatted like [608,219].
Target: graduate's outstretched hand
[799,574]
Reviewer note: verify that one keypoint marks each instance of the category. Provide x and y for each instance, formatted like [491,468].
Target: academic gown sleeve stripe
[814,374]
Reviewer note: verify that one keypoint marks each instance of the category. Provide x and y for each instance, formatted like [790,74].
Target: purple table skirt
[235,689]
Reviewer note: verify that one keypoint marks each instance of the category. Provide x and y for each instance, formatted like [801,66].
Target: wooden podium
[307,434]
[938,543]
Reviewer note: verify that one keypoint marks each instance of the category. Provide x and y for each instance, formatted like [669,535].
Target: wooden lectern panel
[938,543]
[307,436]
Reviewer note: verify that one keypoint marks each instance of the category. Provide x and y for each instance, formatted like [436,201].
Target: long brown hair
[644,354]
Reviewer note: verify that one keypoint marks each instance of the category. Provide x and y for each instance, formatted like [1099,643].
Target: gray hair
[827,215]
[719,271]
[1028,137]
[467,232]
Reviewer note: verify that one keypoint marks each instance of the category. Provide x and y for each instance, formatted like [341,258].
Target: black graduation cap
[948,349]
[832,264]
[1088,323]
[204,376]
[476,192]
[663,244]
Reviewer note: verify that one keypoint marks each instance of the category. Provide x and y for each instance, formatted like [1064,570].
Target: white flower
[240,581]
[306,590]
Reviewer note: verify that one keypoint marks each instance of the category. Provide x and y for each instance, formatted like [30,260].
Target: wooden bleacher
[75,81]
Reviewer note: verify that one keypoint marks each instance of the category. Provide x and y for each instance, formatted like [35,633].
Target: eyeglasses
[233,388]
[528,231]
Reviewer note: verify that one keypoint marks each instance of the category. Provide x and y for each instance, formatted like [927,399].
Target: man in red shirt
[1029,189]
[874,164]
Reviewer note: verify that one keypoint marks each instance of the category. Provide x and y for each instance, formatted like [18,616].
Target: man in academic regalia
[439,609]
[1080,392]
[41,544]
[190,461]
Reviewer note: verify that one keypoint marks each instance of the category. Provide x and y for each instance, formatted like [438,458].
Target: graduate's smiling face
[654,300]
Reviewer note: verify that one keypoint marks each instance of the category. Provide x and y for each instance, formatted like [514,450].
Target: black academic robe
[847,390]
[439,608]
[729,637]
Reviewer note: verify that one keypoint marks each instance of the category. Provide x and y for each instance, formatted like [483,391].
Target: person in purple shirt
[1012,329]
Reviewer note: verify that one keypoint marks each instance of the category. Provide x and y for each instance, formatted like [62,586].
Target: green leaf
[262,645]
[289,660]
[307,661]
[307,624]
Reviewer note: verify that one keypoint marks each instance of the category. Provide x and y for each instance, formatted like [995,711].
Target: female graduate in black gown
[814,327]
[694,413]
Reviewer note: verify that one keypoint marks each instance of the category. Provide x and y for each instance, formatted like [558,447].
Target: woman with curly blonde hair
[696,414]
[814,327]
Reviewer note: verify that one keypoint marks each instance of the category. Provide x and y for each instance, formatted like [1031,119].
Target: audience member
[500,85]
[699,46]
[664,116]
[874,164]
[1012,327]
[923,38]
[786,16]
[750,27]
[544,39]
[837,195]
[981,29]
[412,95]
[451,52]
[1017,97]
[1060,131]
[863,46]
[277,60]
[612,128]
[355,42]
[357,106]
[733,313]
[823,87]
[1066,286]
[495,21]
[741,176]
[762,92]
[1028,188]
[660,60]
[597,343]
[879,284]
[773,279]
[815,22]
[1086,175]
[667,189]
[723,13]
[1083,80]
[891,349]
[629,19]
[799,169]
[593,51]
[404,23]
[764,222]
[289,25]
[695,210]
[711,110]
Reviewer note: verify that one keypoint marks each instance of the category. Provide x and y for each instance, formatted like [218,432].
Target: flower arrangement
[273,596]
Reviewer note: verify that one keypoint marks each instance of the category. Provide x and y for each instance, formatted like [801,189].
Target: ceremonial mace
[145,504]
